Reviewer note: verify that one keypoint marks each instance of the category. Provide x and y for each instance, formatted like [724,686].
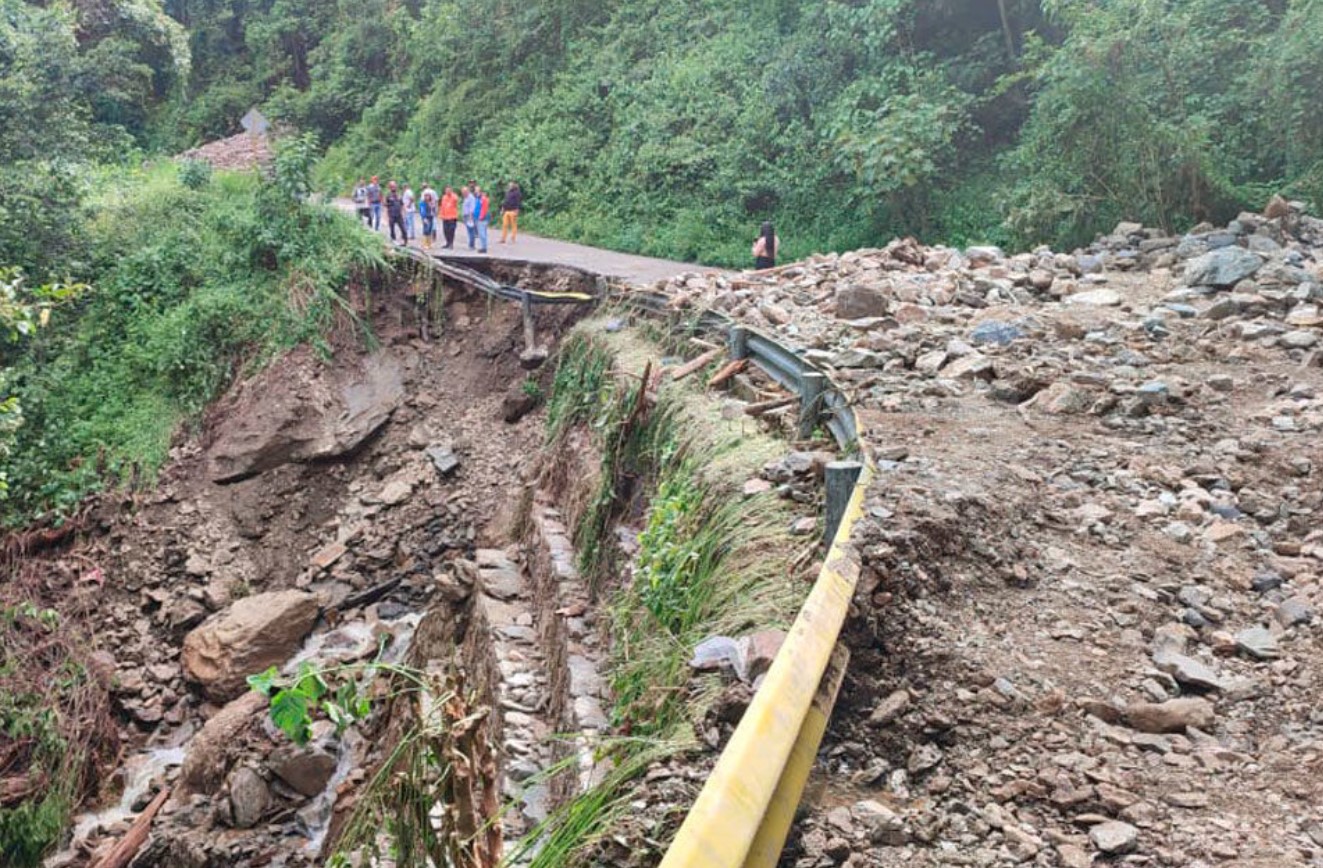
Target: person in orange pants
[514,200]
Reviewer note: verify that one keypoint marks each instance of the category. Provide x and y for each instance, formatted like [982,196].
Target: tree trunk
[1006,29]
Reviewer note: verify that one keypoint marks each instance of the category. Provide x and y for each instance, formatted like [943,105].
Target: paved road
[639,270]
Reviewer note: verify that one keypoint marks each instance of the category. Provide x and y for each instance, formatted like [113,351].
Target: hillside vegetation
[674,128]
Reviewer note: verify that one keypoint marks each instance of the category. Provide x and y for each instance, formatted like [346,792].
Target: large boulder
[1223,267]
[254,633]
[293,415]
[861,300]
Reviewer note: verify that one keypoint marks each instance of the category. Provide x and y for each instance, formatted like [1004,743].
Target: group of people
[470,205]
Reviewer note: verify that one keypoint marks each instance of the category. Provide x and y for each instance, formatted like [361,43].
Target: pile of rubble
[240,153]
[1086,628]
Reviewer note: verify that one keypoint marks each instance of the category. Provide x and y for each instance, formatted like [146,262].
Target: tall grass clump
[710,561]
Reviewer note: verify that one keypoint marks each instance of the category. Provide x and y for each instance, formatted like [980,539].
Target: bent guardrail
[743,814]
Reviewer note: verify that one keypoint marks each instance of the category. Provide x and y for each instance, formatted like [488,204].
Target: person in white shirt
[410,211]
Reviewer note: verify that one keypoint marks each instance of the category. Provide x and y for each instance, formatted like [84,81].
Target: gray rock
[1258,642]
[1266,581]
[249,798]
[444,459]
[1114,837]
[890,708]
[1222,309]
[999,333]
[1300,339]
[1222,267]
[1294,611]
[306,770]
[1188,671]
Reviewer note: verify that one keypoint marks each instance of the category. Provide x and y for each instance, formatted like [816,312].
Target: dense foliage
[188,286]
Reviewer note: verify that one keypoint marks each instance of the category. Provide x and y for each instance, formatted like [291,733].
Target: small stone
[1266,581]
[1096,297]
[444,459]
[1257,642]
[306,770]
[1294,611]
[890,708]
[249,797]
[1223,267]
[1300,339]
[998,333]
[1187,800]
[1189,671]
[1221,383]
[1114,837]
[328,555]
[922,758]
[1174,715]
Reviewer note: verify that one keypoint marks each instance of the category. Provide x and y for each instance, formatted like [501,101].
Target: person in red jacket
[482,215]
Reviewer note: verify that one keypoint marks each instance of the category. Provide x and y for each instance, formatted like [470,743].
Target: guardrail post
[812,385]
[739,342]
[533,355]
[840,477]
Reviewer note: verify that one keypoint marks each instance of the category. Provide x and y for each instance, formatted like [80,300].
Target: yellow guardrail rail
[743,813]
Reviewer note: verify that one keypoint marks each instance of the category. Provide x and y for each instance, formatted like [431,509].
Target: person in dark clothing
[764,249]
[395,213]
[514,198]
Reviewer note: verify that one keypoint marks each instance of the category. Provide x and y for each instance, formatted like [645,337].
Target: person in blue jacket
[466,213]
[482,216]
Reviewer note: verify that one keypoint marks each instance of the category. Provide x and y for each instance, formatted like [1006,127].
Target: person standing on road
[468,209]
[449,215]
[361,202]
[765,247]
[395,214]
[514,199]
[482,214]
[427,211]
[374,203]
[410,212]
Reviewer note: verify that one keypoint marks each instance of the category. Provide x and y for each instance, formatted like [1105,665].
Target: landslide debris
[1087,626]
[314,517]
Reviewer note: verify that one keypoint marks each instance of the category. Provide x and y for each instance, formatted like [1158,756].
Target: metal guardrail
[743,814]
[491,285]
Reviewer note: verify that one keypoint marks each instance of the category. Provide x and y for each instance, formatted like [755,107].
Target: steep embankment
[320,502]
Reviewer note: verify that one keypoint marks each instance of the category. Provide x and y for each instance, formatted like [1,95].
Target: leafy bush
[194,174]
